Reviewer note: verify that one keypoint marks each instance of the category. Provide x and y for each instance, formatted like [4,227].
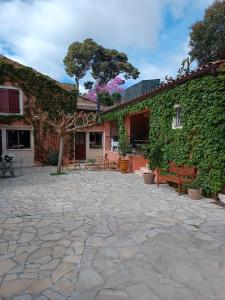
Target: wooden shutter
[14,101]
[4,101]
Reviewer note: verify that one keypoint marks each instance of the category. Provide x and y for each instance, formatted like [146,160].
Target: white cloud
[39,32]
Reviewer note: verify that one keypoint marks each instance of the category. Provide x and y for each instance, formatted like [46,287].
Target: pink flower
[113,86]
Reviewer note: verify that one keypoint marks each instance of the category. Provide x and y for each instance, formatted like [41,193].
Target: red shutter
[14,101]
[4,101]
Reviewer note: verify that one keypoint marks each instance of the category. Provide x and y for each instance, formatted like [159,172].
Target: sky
[153,33]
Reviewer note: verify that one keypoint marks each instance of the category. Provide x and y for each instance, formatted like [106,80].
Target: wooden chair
[77,165]
[66,164]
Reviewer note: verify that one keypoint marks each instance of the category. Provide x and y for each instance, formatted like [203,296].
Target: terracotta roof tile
[206,69]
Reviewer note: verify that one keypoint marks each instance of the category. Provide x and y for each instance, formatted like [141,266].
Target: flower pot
[124,164]
[195,194]
[149,178]
[221,197]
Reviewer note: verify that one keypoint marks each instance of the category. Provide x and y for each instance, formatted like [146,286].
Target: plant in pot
[194,190]
[153,155]
[124,148]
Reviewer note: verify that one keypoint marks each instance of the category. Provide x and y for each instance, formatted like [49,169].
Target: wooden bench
[177,174]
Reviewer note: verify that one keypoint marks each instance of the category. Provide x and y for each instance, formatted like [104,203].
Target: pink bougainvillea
[113,86]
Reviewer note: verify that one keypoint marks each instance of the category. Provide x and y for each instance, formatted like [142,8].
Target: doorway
[80,145]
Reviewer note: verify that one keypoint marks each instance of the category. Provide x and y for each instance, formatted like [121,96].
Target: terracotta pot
[124,164]
[149,178]
[195,194]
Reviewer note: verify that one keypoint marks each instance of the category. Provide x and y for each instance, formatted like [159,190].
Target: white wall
[94,153]
[26,154]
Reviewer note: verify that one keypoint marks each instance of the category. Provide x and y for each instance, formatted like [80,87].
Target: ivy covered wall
[201,141]
[49,95]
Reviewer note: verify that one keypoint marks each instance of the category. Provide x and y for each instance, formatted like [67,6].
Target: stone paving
[107,236]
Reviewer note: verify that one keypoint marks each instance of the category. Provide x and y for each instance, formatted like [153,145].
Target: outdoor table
[7,167]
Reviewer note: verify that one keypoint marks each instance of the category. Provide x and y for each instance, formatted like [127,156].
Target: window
[177,120]
[95,140]
[18,139]
[9,101]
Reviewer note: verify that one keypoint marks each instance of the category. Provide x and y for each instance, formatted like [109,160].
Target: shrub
[52,157]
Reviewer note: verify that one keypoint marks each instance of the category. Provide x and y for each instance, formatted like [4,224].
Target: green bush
[52,157]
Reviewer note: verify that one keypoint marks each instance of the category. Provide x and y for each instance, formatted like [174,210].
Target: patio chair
[104,164]
[18,165]
[113,165]
[66,164]
[77,165]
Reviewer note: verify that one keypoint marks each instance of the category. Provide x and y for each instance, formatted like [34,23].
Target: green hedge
[201,141]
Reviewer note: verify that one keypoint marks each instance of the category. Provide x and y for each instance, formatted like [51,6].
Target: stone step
[144,169]
[138,172]
[141,171]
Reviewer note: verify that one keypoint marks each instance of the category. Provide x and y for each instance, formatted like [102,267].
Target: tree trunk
[61,150]
[77,85]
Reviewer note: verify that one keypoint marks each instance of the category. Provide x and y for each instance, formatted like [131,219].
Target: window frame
[175,123]
[95,146]
[18,139]
[6,87]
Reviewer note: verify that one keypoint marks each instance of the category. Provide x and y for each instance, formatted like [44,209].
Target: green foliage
[104,64]
[52,157]
[50,96]
[58,174]
[153,154]
[195,185]
[124,146]
[201,141]
[116,98]
[105,99]
[10,119]
[79,58]
[207,38]
[91,161]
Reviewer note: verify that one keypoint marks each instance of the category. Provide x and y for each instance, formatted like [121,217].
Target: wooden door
[80,145]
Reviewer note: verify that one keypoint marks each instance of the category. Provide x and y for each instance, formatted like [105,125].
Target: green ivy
[50,96]
[201,141]
[9,119]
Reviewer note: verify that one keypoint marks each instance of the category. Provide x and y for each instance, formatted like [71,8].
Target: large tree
[104,64]
[207,38]
[79,58]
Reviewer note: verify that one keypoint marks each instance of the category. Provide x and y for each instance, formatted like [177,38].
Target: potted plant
[194,190]
[153,155]
[91,161]
[124,148]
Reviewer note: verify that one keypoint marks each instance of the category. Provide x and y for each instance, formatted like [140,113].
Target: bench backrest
[184,171]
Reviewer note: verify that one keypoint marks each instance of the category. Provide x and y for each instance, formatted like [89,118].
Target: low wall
[135,161]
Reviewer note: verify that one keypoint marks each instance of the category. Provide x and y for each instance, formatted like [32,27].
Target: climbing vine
[201,141]
[49,95]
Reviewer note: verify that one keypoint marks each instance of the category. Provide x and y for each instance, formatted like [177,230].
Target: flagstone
[6,266]
[40,285]
[61,270]
[11,288]
[104,235]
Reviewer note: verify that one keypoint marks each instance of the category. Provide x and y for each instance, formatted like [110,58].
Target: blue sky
[153,33]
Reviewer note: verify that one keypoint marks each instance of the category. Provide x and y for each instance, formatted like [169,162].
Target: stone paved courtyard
[107,236]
